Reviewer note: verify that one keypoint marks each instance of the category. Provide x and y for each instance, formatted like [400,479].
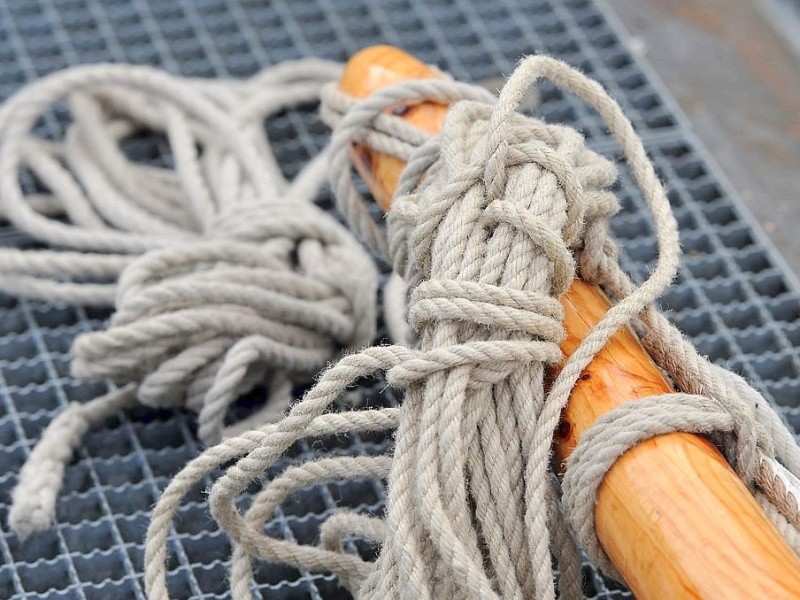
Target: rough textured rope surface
[222,272]
[509,211]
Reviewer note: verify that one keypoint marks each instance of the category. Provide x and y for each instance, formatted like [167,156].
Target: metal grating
[734,297]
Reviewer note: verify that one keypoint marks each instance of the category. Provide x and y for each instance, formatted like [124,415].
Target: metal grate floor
[734,297]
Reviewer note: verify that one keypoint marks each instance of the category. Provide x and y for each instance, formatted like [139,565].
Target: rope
[509,211]
[222,272]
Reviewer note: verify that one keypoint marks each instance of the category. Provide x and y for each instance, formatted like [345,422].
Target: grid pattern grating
[733,298]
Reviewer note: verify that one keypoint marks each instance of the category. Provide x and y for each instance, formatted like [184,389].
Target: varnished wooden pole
[671,514]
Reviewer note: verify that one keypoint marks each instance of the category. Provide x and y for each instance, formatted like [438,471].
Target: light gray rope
[222,272]
[33,503]
[307,419]
[485,242]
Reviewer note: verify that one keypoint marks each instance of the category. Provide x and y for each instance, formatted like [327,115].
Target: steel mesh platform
[734,298]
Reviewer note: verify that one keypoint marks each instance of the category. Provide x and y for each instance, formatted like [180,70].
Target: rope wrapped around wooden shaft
[509,209]
[222,272]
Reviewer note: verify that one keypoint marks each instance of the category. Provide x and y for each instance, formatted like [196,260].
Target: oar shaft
[671,514]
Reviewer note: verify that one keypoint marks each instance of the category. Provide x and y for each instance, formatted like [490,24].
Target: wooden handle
[370,70]
[672,515]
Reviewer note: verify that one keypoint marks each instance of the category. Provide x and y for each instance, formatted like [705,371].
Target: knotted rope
[509,210]
[223,273]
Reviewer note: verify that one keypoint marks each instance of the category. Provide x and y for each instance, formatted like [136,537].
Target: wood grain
[671,514]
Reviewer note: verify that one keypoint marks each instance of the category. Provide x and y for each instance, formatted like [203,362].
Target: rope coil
[484,242]
[223,273]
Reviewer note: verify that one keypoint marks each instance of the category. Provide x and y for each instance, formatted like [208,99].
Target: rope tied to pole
[222,272]
[486,241]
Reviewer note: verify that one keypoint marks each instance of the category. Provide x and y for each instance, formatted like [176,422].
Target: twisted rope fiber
[509,209]
[223,273]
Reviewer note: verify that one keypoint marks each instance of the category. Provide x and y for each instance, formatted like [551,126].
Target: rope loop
[617,432]
[224,273]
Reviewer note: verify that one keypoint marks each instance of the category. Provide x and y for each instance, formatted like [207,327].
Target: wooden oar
[672,515]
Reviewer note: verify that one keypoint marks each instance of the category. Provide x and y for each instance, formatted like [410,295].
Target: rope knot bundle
[223,273]
[508,210]
[488,240]
[272,290]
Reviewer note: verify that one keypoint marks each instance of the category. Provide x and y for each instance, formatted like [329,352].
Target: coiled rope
[509,210]
[222,272]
